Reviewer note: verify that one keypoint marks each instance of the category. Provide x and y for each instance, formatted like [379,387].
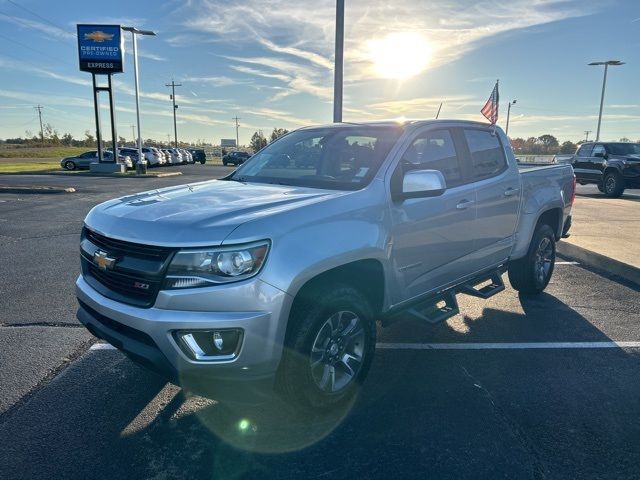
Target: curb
[35,189]
[116,175]
[600,262]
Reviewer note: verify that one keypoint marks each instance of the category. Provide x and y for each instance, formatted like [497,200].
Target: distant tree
[277,133]
[625,139]
[89,139]
[517,144]
[258,141]
[67,139]
[122,140]
[548,141]
[568,147]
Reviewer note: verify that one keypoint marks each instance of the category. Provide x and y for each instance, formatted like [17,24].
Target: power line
[173,86]
[37,15]
[24,45]
[39,108]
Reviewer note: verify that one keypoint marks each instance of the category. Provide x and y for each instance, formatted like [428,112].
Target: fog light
[210,345]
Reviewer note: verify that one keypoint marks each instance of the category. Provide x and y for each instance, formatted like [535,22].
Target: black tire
[531,274]
[613,185]
[313,316]
[224,163]
[601,187]
[69,165]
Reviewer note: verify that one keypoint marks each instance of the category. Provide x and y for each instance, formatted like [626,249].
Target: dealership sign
[100,48]
[228,142]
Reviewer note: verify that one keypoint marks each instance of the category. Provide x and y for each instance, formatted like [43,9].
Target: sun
[400,55]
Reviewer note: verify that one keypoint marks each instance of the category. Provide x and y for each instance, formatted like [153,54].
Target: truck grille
[135,277]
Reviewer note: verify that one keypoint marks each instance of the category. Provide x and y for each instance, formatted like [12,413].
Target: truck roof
[401,123]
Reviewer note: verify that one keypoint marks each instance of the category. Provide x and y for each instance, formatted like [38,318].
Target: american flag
[490,109]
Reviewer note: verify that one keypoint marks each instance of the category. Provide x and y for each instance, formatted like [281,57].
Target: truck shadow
[625,196]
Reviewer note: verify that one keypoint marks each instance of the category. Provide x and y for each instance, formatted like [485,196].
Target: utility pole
[339,63]
[39,108]
[237,126]
[173,86]
[586,135]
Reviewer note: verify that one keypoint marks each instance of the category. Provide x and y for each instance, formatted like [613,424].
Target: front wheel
[69,165]
[532,273]
[613,185]
[329,348]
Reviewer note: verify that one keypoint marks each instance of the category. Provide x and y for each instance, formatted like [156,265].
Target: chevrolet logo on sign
[103,260]
[98,36]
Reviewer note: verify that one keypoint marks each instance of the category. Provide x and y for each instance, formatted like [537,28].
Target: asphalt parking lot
[555,398]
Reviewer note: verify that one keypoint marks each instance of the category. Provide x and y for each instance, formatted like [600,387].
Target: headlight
[206,267]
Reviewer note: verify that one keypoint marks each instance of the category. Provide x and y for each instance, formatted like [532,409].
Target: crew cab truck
[612,166]
[273,277]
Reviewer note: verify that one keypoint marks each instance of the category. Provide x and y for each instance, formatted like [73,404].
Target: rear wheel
[69,165]
[613,185]
[531,274]
[329,348]
[601,187]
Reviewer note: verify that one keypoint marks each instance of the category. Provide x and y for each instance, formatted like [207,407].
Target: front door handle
[464,204]
[510,192]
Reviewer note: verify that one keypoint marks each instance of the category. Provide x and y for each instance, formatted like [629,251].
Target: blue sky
[270,63]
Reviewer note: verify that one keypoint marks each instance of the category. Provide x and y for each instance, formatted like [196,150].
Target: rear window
[487,154]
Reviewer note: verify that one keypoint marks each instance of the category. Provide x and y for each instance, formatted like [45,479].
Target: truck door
[432,237]
[596,163]
[498,195]
[581,162]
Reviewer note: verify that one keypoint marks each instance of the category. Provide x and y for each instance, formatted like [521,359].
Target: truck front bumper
[149,336]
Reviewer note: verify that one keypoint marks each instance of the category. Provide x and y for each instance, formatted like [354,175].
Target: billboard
[100,48]
[227,142]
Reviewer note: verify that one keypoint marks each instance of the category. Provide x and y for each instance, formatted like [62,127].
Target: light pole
[134,32]
[337,72]
[606,64]
[512,102]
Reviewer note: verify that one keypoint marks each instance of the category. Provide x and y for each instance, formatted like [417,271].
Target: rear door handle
[464,204]
[510,192]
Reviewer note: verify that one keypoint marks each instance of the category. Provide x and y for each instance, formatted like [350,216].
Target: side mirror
[422,183]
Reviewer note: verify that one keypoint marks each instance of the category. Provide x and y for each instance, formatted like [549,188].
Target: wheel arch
[366,275]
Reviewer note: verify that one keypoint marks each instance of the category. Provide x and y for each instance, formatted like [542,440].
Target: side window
[487,154]
[435,150]
[598,150]
[585,150]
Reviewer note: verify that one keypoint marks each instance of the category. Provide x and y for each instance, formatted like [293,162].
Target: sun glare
[400,55]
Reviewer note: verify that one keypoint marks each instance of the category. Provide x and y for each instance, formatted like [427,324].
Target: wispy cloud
[48,30]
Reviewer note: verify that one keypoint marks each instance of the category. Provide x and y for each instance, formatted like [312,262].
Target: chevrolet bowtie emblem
[98,36]
[103,260]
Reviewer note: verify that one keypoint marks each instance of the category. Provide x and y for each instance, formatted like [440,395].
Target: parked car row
[154,156]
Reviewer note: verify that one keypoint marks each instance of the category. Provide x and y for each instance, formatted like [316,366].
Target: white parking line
[102,346]
[505,346]
[567,263]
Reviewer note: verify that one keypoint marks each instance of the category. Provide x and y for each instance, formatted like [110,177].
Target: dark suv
[612,166]
[235,158]
[198,155]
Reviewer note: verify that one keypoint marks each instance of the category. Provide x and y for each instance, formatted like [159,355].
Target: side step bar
[444,305]
[496,286]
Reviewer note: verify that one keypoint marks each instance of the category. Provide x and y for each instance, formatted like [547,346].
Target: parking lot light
[134,31]
[606,64]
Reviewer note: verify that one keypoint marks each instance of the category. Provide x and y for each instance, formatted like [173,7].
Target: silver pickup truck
[273,278]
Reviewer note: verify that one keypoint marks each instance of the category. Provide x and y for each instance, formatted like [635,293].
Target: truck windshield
[624,148]
[337,158]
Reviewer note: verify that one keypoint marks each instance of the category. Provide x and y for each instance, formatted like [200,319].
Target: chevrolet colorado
[273,277]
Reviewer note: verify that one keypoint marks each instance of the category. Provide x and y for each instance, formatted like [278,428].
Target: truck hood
[198,214]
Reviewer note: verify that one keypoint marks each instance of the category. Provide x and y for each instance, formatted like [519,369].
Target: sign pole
[112,108]
[96,107]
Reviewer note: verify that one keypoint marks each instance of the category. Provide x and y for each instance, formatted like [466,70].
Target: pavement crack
[516,430]
[41,324]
